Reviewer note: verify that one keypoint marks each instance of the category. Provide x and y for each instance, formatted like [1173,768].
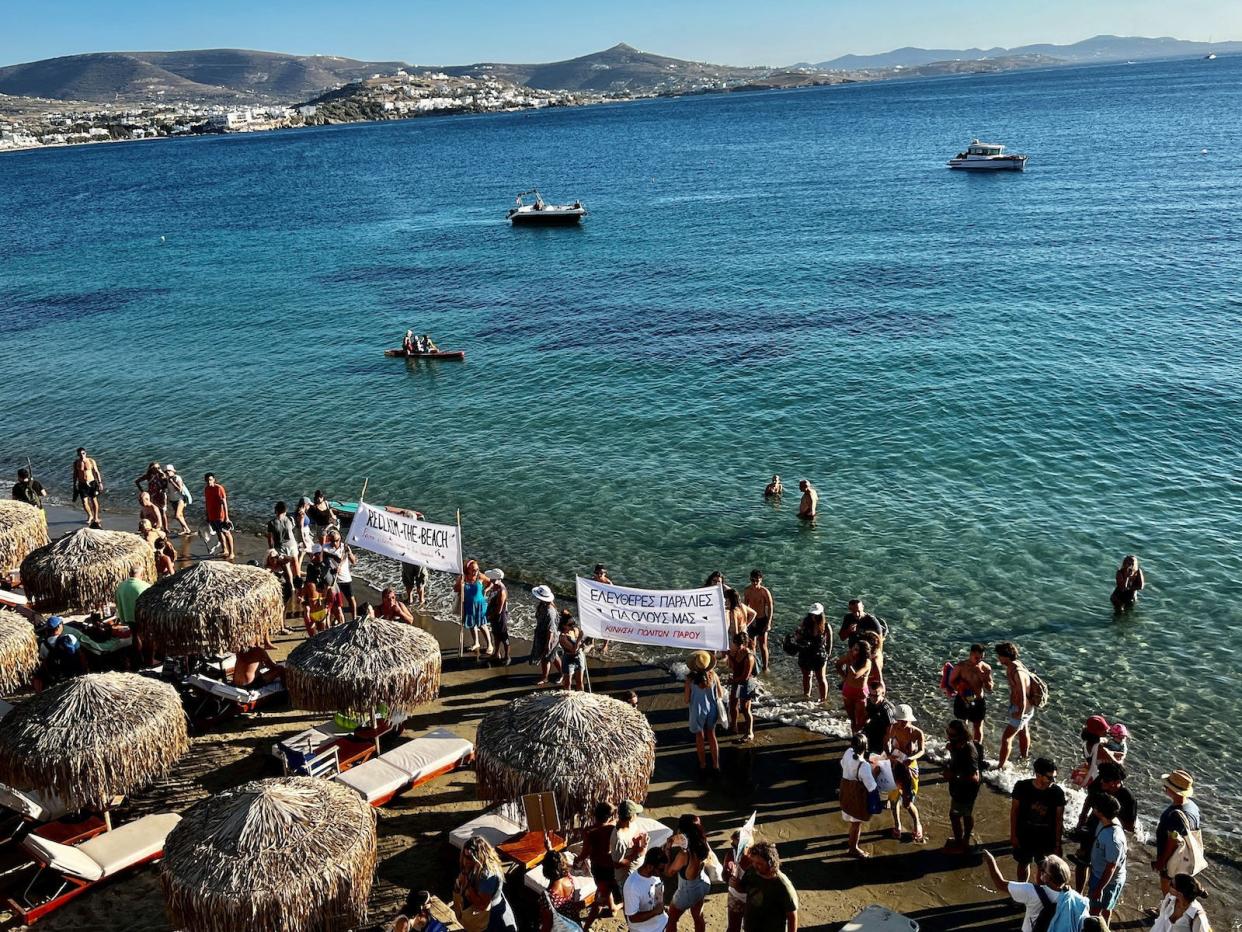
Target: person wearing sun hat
[543,643]
[703,695]
[905,745]
[814,640]
[1176,822]
[498,614]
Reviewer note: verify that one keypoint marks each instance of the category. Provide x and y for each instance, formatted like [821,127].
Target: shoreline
[788,775]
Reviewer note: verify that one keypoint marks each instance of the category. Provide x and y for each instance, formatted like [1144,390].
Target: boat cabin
[986,149]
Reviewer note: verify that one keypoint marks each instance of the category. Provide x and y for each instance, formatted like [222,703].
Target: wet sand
[788,775]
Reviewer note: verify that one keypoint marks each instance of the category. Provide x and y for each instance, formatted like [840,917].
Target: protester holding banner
[703,695]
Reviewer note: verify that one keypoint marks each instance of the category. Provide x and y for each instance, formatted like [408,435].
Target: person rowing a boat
[409,345]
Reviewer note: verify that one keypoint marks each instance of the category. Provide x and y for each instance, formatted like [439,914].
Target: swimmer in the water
[810,500]
[1129,581]
[774,489]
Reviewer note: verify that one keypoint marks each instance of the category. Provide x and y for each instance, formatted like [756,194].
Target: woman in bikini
[854,668]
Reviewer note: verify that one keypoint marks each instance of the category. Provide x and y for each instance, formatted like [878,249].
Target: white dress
[1193,920]
[854,769]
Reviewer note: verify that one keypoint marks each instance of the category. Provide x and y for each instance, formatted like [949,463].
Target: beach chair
[46,815]
[64,872]
[880,919]
[409,764]
[218,700]
[325,763]
[495,825]
[310,740]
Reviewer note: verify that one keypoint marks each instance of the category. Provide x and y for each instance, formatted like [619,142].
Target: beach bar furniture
[23,529]
[579,746]
[210,608]
[289,854]
[63,872]
[93,738]
[82,569]
[409,764]
[880,919]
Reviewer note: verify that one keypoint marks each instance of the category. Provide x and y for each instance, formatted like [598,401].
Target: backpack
[1043,922]
[1037,691]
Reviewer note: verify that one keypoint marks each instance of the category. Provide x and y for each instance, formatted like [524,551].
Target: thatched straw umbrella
[93,737]
[293,854]
[23,528]
[362,664]
[210,608]
[19,650]
[581,747]
[83,569]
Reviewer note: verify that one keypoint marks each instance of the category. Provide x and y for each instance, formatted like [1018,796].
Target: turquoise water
[999,384]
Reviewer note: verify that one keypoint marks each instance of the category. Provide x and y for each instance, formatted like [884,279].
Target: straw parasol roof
[362,664]
[93,737]
[211,607]
[83,569]
[23,528]
[292,854]
[582,747]
[19,650]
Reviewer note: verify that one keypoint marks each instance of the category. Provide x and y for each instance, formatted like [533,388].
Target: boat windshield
[986,150]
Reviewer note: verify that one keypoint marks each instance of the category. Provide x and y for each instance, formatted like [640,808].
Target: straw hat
[1179,782]
[905,714]
[700,661]
[542,593]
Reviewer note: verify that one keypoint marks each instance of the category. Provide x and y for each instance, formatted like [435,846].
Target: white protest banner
[406,538]
[691,619]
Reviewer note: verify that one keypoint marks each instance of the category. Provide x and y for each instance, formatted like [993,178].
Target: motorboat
[538,212]
[987,156]
[1210,56]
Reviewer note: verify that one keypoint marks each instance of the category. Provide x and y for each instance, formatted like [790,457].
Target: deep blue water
[999,384]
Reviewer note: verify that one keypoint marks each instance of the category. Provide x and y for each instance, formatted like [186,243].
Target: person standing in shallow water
[810,501]
[971,681]
[744,686]
[814,641]
[1129,581]
[963,774]
[1020,709]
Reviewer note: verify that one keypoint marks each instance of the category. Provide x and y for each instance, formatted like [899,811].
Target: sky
[756,32]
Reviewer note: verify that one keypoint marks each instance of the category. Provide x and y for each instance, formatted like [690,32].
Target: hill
[196,75]
[618,69]
[1096,49]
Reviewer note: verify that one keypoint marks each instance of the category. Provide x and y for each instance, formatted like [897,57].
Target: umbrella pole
[586,672]
[375,731]
[107,814]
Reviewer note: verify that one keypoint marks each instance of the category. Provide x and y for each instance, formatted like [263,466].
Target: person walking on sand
[1108,860]
[1129,581]
[1036,817]
[703,693]
[470,587]
[216,503]
[857,783]
[28,489]
[1021,711]
[963,774]
[971,682]
[688,850]
[759,599]
[854,668]
[771,900]
[543,642]
[88,484]
[498,615]
[814,641]
[810,501]
[905,745]
[744,686]
[178,497]
[1180,824]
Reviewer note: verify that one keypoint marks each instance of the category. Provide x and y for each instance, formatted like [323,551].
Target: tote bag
[853,797]
[1188,857]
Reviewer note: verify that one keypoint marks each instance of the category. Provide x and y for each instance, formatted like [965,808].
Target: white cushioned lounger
[32,804]
[493,826]
[536,881]
[409,763]
[106,854]
[234,693]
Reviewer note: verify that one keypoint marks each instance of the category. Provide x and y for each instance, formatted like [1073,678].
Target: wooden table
[529,849]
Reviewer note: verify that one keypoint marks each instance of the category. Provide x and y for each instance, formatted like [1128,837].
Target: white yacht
[542,213]
[987,156]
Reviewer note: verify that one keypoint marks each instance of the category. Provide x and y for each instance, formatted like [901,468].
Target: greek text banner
[690,619]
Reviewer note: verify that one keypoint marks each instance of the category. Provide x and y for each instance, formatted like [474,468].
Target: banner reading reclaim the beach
[407,539]
[692,619]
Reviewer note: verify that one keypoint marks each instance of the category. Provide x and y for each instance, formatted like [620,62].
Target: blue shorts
[1110,896]
[691,893]
[1016,723]
[745,692]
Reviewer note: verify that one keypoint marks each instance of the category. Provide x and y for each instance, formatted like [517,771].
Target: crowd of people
[880,768]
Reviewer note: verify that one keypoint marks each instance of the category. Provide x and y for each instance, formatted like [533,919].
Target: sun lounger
[34,805]
[221,699]
[495,825]
[409,764]
[537,882]
[64,872]
[310,740]
[879,919]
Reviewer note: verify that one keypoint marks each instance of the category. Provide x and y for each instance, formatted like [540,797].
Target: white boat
[1210,56]
[540,212]
[987,156]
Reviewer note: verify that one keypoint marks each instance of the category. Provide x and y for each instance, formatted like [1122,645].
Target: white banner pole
[461,618]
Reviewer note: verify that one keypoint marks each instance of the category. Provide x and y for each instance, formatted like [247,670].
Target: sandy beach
[788,776]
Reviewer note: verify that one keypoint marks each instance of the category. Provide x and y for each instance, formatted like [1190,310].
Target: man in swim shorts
[759,598]
[972,681]
[905,745]
[810,501]
[1020,709]
[88,484]
[963,776]
[414,578]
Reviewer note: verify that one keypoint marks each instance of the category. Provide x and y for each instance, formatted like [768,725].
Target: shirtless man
[972,681]
[905,744]
[759,598]
[88,483]
[810,501]
[1020,709]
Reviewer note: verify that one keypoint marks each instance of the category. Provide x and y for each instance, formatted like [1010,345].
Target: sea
[999,383]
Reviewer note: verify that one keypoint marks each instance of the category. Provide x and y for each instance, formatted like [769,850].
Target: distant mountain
[198,75]
[620,68]
[1095,49]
